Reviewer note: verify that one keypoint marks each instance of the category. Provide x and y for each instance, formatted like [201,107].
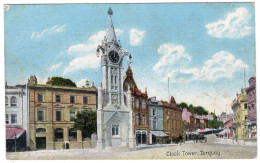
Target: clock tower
[114,114]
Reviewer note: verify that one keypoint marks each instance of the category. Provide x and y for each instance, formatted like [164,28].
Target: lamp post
[15,142]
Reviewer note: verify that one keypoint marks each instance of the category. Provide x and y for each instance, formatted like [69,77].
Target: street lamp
[15,142]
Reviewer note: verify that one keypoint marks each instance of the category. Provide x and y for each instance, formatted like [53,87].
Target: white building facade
[16,109]
[155,121]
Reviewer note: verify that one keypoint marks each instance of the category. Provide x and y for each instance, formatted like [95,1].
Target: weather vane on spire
[110,11]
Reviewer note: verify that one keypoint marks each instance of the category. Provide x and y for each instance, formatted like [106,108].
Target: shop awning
[209,131]
[225,131]
[12,132]
[158,133]
[251,123]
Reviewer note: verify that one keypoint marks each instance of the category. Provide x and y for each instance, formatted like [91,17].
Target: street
[213,149]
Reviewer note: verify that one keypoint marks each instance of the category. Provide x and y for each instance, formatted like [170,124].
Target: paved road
[189,150]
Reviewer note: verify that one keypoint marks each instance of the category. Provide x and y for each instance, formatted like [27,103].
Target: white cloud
[119,32]
[221,65]
[81,63]
[59,55]
[83,54]
[56,66]
[210,102]
[48,31]
[81,82]
[136,36]
[175,63]
[41,79]
[234,26]
[172,54]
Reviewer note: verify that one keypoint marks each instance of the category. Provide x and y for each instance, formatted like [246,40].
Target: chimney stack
[87,83]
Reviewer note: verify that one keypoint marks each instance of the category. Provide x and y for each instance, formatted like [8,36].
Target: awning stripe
[158,133]
[12,132]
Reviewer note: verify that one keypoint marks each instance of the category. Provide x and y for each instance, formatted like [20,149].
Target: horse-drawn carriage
[199,138]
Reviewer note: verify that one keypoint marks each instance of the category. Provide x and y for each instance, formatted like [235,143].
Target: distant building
[239,108]
[201,122]
[155,121]
[16,117]
[224,117]
[52,113]
[139,107]
[228,131]
[188,121]
[251,104]
[172,117]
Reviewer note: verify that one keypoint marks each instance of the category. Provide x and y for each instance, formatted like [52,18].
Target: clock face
[113,56]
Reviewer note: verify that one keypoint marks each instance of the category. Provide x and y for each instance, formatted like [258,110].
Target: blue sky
[202,47]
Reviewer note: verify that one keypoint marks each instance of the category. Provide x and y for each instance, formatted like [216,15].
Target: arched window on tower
[115,130]
[125,100]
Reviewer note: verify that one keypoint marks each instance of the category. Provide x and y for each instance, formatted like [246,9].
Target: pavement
[235,142]
[188,150]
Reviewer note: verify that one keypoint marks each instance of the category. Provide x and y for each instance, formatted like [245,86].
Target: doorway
[141,137]
[40,142]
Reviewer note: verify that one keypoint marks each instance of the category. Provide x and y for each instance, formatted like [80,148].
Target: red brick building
[139,107]
[172,119]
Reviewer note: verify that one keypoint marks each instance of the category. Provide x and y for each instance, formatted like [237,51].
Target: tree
[86,122]
[183,105]
[194,109]
[60,81]
[215,124]
[191,108]
[214,115]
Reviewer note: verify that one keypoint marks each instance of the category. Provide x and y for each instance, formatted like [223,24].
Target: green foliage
[190,108]
[214,116]
[60,81]
[194,109]
[215,124]
[86,121]
[183,105]
[200,110]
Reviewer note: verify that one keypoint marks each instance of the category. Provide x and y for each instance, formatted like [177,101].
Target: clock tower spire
[112,65]
[110,31]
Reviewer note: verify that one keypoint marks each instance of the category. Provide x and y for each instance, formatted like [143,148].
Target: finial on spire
[110,11]
[130,60]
